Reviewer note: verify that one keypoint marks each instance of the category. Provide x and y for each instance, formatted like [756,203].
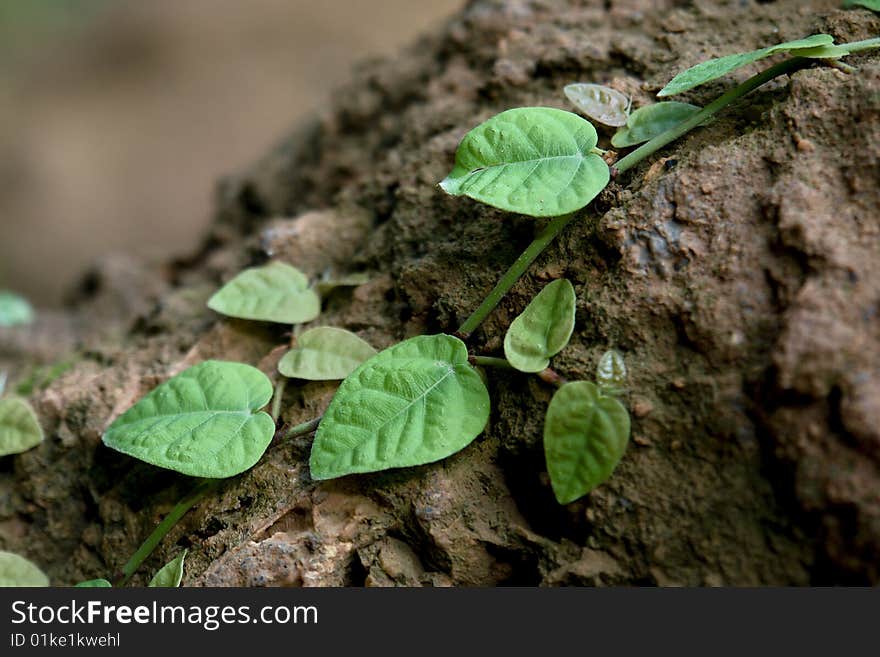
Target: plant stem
[857,46]
[490,361]
[302,429]
[513,274]
[277,398]
[658,142]
[146,549]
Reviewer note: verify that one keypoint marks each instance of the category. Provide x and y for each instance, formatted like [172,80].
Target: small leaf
[169,575]
[275,292]
[18,571]
[414,403]
[14,310]
[202,422]
[873,5]
[652,120]
[532,160]
[329,283]
[585,436]
[325,354]
[603,104]
[19,428]
[611,371]
[715,68]
[94,584]
[543,329]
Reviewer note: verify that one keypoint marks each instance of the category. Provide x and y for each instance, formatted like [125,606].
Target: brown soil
[738,274]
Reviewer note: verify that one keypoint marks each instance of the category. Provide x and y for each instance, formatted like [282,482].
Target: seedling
[15,570]
[603,104]
[14,310]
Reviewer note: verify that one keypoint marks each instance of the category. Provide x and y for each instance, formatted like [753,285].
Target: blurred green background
[117,116]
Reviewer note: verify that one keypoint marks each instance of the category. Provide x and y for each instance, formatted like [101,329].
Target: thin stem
[302,429]
[277,398]
[648,149]
[490,361]
[147,547]
[517,269]
[857,46]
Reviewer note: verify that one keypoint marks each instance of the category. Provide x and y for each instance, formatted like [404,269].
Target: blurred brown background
[117,116]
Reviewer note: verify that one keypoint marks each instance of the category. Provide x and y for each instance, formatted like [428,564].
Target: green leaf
[202,422]
[170,574]
[543,329]
[603,104]
[652,120]
[19,428]
[585,436]
[532,160]
[94,584]
[275,292]
[14,310]
[18,571]
[611,371]
[416,402]
[325,354]
[873,5]
[715,68]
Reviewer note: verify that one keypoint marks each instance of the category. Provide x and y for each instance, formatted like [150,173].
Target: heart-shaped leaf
[416,402]
[18,571]
[325,354]
[19,428]
[94,584]
[169,575]
[532,160]
[715,68]
[585,436]
[275,292]
[202,422]
[543,329]
[611,371]
[14,310]
[603,104]
[652,120]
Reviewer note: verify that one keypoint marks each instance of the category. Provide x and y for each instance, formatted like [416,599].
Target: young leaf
[275,292]
[18,571]
[170,574]
[585,436]
[611,371]
[204,422]
[652,120]
[19,428]
[416,402]
[14,310]
[715,68]
[603,104]
[94,584]
[543,329]
[325,354]
[873,5]
[532,160]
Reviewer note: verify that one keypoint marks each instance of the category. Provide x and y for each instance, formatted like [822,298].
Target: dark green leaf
[416,402]
[585,436]
[532,160]
[204,422]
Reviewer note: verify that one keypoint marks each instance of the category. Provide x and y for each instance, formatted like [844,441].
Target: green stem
[517,269]
[277,398]
[147,547]
[658,142]
[490,361]
[302,429]
[857,46]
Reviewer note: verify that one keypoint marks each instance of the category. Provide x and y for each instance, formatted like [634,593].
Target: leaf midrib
[580,155]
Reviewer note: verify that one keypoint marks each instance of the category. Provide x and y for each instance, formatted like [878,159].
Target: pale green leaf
[532,160]
[325,354]
[652,120]
[19,428]
[18,571]
[416,402]
[329,283]
[585,436]
[14,310]
[204,422]
[611,371]
[94,584]
[275,292]
[543,329]
[169,575]
[603,104]
[715,68]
